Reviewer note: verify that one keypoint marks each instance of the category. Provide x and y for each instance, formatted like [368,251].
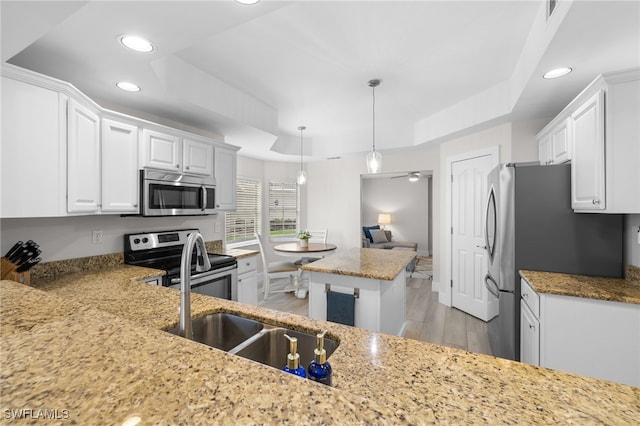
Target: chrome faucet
[202,265]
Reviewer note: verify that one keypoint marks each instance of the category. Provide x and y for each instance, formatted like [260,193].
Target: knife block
[8,272]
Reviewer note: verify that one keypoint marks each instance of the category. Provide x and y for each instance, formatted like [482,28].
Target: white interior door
[468,254]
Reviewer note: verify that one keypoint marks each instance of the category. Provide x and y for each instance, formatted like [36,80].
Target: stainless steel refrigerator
[530,225]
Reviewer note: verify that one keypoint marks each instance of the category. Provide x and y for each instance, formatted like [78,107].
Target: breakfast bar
[91,345]
[374,278]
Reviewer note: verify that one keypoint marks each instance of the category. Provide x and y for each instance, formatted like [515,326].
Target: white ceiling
[256,73]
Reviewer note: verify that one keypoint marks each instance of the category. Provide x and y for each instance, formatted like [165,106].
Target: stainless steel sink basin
[270,347]
[222,331]
[254,340]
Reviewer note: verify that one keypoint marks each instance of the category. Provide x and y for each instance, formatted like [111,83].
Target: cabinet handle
[595,201]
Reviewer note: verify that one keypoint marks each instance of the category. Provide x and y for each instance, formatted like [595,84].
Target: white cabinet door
[529,335]
[248,280]
[544,150]
[119,167]
[225,171]
[33,151]
[560,143]
[595,338]
[83,159]
[161,151]
[198,157]
[587,171]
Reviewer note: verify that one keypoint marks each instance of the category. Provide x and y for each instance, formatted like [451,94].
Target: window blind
[241,224]
[283,208]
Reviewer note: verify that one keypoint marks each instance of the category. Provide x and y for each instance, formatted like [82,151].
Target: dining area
[285,274]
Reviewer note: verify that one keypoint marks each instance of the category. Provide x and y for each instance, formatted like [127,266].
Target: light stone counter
[377,264]
[92,345]
[602,288]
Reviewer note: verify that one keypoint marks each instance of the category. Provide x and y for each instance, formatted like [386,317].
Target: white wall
[70,237]
[334,192]
[524,146]
[407,202]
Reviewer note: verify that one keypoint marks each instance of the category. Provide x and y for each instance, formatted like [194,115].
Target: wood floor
[427,319]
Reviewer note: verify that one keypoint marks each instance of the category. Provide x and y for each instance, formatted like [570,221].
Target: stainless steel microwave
[172,194]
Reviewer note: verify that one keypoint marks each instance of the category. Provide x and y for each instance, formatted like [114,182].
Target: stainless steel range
[163,250]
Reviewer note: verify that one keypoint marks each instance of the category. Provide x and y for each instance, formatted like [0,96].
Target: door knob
[482,247]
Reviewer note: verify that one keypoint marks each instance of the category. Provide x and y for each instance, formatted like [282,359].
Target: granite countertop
[240,253]
[603,288]
[92,345]
[377,264]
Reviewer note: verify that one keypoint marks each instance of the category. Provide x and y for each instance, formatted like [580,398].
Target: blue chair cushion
[367,231]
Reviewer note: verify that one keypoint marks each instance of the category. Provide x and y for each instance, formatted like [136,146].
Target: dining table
[306,254]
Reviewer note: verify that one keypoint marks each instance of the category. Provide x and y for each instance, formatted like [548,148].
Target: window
[283,208]
[241,224]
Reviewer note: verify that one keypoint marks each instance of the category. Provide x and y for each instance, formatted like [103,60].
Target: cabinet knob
[595,201]
[532,326]
[525,295]
[135,205]
[187,167]
[177,166]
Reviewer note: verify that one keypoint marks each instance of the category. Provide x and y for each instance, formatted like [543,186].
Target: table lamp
[384,219]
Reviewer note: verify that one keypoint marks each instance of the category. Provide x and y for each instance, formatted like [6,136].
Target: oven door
[222,283]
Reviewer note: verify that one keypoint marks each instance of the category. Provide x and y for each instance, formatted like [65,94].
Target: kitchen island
[375,277]
[91,343]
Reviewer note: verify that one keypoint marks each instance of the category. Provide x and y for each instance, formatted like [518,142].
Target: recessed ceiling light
[129,87]
[558,72]
[247,1]
[136,43]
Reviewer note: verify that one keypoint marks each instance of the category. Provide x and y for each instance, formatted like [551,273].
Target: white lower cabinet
[529,335]
[248,280]
[590,337]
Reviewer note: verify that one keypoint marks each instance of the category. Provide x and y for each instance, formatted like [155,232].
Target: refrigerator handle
[492,286]
[491,208]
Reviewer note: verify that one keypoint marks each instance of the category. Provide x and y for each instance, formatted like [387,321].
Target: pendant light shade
[374,158]
[302,175]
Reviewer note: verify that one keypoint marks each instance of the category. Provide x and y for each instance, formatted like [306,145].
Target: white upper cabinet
[198,157]
[587,171]
[83,159]
[33,157]
[225,168]
[603,134]
[161,151]
[119,167]
[554,147]
[78,158]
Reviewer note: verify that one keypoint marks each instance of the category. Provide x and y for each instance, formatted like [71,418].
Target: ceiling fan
[413,176]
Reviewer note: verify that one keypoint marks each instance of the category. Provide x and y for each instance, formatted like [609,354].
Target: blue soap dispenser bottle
[293,359]
[319,369]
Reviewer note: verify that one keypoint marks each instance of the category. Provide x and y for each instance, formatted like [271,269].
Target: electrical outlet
[96,236]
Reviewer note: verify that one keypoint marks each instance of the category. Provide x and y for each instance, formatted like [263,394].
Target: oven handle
[208,276]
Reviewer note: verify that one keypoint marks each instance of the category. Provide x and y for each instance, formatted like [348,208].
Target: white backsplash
[70,237]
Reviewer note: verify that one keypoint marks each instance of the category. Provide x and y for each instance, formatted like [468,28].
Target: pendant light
[374,159]
[302,176]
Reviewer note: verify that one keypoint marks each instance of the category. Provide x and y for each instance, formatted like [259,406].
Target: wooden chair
[277,273]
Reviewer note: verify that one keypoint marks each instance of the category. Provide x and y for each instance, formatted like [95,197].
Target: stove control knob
[145,240]
[136,241]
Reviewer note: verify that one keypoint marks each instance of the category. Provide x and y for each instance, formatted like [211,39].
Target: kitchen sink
[270,347]
[222,331]
[254,340]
